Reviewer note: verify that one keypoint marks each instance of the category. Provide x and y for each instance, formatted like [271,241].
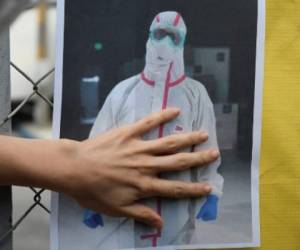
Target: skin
[112,172]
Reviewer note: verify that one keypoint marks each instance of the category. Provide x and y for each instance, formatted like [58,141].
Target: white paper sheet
[238,219]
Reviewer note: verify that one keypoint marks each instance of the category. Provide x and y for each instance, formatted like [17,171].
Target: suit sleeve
[105,118]
[206,121]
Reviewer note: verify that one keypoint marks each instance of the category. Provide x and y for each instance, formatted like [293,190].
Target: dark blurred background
[105,43]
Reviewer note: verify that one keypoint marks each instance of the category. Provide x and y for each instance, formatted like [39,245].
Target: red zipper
[168,84]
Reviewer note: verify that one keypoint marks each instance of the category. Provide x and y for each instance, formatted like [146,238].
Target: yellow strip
[42,9]
[280,164]
[42,30]
[280,158]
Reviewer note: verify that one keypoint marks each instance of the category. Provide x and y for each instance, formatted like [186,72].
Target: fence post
[5,192]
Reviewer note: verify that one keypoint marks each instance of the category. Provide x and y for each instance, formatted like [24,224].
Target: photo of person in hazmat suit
[162,84]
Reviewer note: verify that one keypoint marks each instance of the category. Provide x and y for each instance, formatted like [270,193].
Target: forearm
[98,171]
[38,163]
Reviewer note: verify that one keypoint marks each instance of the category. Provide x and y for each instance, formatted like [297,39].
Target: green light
[98,46]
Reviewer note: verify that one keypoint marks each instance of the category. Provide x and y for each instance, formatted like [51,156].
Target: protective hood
[163,57]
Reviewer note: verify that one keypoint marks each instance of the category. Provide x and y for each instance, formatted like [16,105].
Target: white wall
[24,44]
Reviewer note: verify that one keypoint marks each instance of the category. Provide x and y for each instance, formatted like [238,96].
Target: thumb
[143,214]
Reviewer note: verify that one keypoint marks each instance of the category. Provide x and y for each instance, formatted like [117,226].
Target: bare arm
[39,163]
[109,173]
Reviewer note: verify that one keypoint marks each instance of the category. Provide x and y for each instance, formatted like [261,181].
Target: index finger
[154,120]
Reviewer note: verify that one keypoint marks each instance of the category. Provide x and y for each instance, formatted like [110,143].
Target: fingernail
[157,224]
[215,153]
[176,110]
[204,135]
[207,189]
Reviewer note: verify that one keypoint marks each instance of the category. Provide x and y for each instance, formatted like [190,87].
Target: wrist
[50,164]
[64,166]
[37,163]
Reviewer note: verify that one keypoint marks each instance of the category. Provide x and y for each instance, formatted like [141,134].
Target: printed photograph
[123,60]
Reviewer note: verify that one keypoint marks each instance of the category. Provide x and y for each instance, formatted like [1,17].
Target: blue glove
[92,219]
[209,210]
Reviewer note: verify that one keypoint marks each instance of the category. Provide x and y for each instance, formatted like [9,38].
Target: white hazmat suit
[162,83]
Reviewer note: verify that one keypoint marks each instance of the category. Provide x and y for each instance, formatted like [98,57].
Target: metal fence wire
[37,193]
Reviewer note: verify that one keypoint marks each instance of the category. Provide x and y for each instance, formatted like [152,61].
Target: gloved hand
[209,209]
[92,219]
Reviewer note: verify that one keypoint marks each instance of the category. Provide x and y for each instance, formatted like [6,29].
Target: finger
[143,214]
[175,189]
[154,120]
[184,161]
[173,143]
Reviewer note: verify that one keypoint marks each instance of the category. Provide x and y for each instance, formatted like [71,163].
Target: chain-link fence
[35,92]
[4,122]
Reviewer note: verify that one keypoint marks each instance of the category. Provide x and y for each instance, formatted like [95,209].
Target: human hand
[209,210]
[116,169]
[112,172]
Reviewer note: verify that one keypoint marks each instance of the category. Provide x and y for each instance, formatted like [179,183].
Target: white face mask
[164,50]
[161,51]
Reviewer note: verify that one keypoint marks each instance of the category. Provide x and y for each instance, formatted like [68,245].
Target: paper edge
[257,121]
[54,234]
[257,127]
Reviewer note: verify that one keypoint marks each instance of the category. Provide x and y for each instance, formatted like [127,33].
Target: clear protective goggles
[175,37]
